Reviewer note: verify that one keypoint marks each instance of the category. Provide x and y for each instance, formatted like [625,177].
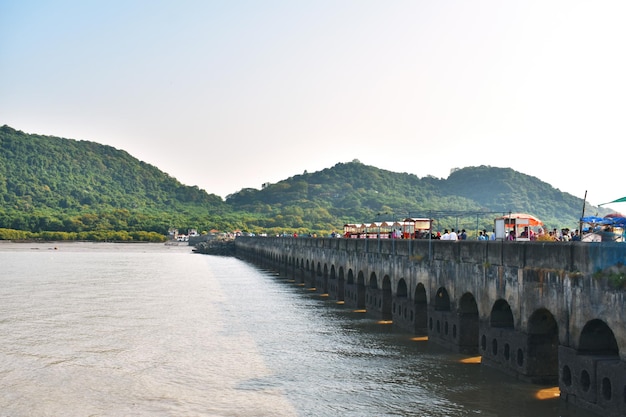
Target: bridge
[543,312]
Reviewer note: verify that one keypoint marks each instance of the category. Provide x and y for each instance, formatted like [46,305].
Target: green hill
[354,192]
[63,185]
[56,184]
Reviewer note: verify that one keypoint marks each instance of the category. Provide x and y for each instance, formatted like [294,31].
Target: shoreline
[77,246]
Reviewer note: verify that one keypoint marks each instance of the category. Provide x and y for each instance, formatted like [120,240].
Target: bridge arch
[373,282]
[498,338]
[469,324]
[324,280]
[332,281]
[441,307]
[501,315]
[399,307]
[386,299]
[442,300]
[372,293]
[420,305]
[597,338]
[350,293]
[402,291]
[341,285]
[301,270]
[360,290]
[543,341]
[312,274]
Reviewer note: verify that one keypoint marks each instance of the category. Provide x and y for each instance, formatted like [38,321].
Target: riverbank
[83,246]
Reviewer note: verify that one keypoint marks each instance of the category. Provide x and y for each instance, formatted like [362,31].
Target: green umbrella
[619,200]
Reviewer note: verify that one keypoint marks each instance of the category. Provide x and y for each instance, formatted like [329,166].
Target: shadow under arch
[387,299]
[501,315]
[420,302]
[360,290]
[442,300]
[597,338]
[469,323]
[543,348]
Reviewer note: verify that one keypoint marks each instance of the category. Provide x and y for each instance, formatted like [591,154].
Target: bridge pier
[596,382]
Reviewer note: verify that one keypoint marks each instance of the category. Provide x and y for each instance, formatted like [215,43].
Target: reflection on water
[151,330]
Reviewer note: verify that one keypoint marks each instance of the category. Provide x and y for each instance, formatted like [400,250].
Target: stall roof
[532,220]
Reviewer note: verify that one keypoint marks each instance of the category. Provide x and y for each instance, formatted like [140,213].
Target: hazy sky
[232,94]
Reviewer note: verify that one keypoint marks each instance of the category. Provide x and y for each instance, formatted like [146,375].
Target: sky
[226,95]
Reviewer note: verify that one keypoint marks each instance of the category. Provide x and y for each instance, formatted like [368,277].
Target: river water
[98,329]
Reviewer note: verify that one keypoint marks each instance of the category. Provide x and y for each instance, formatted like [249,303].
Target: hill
[354,192]
[55,184]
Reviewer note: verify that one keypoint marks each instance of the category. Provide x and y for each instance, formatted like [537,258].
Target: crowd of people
[564,235]
[554,235]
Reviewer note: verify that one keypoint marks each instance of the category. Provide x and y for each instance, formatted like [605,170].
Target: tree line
[76,189]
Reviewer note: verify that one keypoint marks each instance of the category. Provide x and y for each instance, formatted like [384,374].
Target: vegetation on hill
[77,188]
[55,184]
[469,198]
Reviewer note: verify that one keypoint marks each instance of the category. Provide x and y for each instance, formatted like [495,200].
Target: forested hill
[354,192]
[55,184]
[51,183]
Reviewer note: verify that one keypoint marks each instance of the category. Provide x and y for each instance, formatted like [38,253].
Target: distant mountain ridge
[355,191]
[51,183]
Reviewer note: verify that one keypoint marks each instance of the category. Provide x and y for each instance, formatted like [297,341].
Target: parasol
[619,200]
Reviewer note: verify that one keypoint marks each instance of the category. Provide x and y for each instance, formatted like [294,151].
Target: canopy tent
[516,223]
[524,218]
[608,228]
[595,220]
[619,222]
[615,219]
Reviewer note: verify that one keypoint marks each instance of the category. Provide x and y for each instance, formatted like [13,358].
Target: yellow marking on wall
[385,322]
[341,302]
[359,311]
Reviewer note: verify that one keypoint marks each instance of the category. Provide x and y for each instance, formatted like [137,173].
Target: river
[102,329]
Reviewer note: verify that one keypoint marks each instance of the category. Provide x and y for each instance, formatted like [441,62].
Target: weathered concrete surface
[541,311]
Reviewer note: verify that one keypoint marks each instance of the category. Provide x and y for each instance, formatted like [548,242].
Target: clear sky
[231,94]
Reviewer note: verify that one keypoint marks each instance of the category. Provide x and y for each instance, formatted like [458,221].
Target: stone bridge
[544,312]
